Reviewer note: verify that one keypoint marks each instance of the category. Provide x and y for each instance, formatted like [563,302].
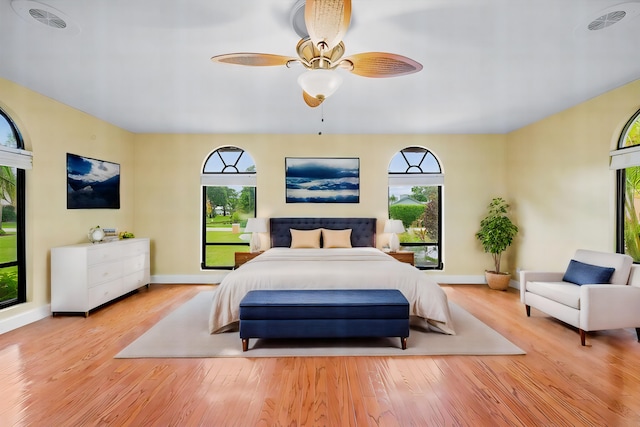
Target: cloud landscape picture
[322,180]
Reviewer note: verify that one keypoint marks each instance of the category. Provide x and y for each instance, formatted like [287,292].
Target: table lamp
[255,226]
[395,227]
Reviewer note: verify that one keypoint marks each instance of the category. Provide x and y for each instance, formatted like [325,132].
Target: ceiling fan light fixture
[320,83]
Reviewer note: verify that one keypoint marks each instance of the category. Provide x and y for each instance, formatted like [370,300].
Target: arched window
[626,160]
[228,199]
[415,198]
[13,162]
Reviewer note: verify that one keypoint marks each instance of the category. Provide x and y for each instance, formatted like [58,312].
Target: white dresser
[87,275]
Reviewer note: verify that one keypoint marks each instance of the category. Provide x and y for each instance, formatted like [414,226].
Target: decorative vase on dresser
[87,275]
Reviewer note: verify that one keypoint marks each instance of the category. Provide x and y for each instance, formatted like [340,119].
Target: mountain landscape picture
[322,180]
[92,183]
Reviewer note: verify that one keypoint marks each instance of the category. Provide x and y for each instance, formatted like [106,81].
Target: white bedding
[366,268]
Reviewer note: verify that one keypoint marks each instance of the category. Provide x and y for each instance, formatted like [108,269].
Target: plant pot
[497,281]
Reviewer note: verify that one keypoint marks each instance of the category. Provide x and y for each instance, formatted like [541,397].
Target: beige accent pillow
[336,238]
[305,238]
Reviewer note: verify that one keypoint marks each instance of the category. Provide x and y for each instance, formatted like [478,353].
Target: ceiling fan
[321,53]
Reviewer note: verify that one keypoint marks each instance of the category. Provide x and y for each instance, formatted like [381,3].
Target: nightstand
[403,256]
[242,257]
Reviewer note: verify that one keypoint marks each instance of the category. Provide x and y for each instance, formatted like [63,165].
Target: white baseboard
[468,280]
[191,279]
[22,319]
[457,280]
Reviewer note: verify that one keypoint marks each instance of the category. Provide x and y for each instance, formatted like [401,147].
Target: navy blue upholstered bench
[331,313]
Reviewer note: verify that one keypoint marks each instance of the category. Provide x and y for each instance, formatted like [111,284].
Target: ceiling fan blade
[311,101]
[327,21]
[380,64]
[253,59]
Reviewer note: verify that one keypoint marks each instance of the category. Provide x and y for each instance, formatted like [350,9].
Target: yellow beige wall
[554,172]
[50,130]
[168,192]
[560,185]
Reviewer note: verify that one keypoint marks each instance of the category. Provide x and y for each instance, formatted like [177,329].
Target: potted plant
[496,234]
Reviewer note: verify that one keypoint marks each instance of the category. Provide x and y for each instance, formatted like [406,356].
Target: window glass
[415,193]
[12,261]
[229,199]
[414,160]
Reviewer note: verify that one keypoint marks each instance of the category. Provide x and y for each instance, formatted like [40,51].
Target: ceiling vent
[614,17]
[606,20]
[43,16]
[47,18]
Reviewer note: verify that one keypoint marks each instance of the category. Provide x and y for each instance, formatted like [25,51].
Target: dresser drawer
[132,248]
[102,252]
[99,295]
[134,263]
[134,281]
[101,273]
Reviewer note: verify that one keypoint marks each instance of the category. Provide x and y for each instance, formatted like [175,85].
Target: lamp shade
[393,226]
[320,83]
[256,225]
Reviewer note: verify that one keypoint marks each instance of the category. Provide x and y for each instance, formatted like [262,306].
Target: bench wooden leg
[245,344]
[403,341]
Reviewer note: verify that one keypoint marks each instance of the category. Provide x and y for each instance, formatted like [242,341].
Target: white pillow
[336,238]
[305,238]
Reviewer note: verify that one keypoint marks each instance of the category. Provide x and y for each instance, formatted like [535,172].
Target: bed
[286,265]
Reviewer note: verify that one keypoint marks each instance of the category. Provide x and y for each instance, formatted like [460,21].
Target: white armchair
[588,307]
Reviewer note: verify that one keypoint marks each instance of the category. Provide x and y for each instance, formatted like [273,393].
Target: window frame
[432,179]
[21,261]
[621,159]
[228,176]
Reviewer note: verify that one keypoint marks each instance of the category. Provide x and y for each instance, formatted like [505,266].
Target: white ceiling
[490,66]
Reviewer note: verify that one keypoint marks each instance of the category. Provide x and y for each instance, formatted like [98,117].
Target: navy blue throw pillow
[587,274]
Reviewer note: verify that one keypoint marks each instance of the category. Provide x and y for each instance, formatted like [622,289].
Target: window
[228,199]
[626,160]
[13,162]
[415,198]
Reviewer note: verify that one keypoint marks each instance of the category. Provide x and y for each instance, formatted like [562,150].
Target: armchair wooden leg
[583,336]
[638,333]
[528,307]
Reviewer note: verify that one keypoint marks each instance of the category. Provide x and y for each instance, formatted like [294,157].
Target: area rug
[184,333]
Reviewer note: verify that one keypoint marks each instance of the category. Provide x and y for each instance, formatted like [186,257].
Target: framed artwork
[322,180]
[92,183]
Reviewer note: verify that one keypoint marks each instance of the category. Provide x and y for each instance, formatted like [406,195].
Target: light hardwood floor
[61,372]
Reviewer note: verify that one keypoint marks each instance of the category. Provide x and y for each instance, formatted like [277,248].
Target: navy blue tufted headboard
[363,229]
